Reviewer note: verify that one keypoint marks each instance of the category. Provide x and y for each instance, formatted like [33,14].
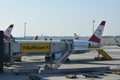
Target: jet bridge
[13,49]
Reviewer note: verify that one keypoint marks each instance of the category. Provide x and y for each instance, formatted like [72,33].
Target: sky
[59,17]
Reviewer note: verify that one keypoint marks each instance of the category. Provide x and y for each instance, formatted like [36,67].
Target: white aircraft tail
[96,37]
[7,32]
[76,36]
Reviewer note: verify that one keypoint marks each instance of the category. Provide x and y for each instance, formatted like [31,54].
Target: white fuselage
[82,46]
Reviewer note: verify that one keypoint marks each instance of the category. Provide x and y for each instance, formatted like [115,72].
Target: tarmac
[80,61]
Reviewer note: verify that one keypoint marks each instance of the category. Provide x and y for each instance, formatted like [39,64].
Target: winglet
[96,37]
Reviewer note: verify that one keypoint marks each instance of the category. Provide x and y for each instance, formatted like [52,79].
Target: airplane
[7,32]
[94,40]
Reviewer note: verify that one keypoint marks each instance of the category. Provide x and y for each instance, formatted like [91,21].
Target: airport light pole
[25,29]
[93,25]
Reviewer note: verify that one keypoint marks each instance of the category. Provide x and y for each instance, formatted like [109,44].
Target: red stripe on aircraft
[102,23]
[6,37]
[94,39]
[11,26]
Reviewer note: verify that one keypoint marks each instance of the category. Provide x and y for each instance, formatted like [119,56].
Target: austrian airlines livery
[95,39]
[7,32]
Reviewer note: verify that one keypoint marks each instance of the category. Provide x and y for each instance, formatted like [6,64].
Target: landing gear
[50,58]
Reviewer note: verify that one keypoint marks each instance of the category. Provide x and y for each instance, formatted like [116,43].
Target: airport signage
[35,47]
